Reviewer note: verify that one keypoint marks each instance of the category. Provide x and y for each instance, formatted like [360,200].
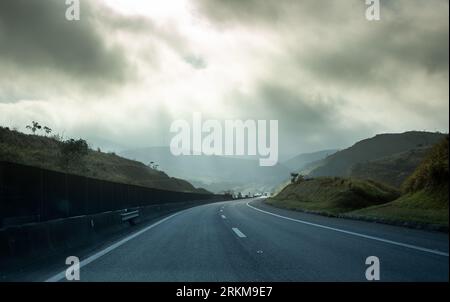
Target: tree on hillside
[153,165]
[47,130]
[34,127]
[296,177]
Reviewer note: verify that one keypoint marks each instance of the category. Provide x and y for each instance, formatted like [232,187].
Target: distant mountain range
[388,158]
[215,173]
[303,160]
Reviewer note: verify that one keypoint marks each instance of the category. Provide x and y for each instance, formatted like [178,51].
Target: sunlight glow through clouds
[232,58]
[155,9]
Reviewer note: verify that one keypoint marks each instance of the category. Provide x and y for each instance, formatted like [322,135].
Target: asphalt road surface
[247,240]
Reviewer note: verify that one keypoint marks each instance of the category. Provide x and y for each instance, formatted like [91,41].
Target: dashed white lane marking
[410,246]
[239,233]
[88,260]
[223,216]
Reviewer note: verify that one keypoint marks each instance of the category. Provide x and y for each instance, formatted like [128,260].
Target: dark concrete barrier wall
[30,194]
[24,244]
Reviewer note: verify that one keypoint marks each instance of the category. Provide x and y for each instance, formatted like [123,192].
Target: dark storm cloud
[34,35]
[312,122]
[290,105]
[333,41]
[404,46]
[355,67]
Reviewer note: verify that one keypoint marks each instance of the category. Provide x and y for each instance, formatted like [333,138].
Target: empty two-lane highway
[249,241]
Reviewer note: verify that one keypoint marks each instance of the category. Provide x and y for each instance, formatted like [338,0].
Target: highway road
[247,240]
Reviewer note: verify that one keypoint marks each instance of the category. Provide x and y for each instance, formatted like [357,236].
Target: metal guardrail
[130,216]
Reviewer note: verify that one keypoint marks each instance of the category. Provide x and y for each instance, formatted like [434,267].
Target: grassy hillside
[423,199]
[382,145]
[424,206]
[425,196]
[333,195]
[432,172]
[48,153]
[392,170]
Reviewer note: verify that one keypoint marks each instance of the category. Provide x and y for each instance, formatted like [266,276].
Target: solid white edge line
[103,252]
[238,232]
[410,246]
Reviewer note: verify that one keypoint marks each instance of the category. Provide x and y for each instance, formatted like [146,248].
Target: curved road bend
[247,240]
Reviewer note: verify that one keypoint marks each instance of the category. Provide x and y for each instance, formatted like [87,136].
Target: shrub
[432,171]
[72,151]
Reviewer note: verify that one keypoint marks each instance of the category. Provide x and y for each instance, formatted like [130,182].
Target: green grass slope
[425,198]
[333,195]
[424,206]
[45,152]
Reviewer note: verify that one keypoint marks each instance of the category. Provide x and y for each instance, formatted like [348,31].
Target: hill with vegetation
[380,146]
[425,197]
[393,169]
[332,195]
[75,157]
[421,201]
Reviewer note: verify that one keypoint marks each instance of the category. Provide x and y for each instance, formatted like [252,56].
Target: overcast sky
[128,68]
